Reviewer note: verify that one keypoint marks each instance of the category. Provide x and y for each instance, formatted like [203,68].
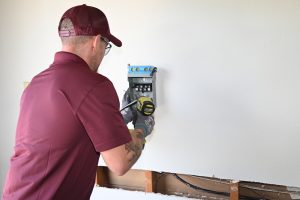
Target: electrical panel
[142,81]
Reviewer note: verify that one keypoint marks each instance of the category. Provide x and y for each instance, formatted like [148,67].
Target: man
[70,115]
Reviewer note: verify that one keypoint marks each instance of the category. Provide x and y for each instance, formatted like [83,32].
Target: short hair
[67,25]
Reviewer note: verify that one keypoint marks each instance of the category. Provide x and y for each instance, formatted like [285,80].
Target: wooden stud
[102,177]
[234,190]
[150,181]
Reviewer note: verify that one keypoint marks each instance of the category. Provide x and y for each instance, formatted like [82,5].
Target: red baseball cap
[89,21]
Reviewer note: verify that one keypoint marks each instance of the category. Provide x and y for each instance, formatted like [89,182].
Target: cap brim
[114,40]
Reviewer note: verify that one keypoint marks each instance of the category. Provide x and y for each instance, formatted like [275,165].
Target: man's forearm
[135,147]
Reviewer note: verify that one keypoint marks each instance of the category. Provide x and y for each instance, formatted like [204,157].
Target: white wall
[228,86]
[99,193]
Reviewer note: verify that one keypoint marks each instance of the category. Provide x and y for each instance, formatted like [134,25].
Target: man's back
[54,155]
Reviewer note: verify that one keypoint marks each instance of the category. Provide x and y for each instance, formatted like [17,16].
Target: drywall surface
[228,80]
[228,85]
[106,193]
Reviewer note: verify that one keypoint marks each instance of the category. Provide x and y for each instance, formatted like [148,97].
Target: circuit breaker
[142,81]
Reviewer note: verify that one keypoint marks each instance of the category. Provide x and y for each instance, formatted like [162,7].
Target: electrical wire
[161,175]
[191,185]
[259,194]
[223,181]
[199,188]
[211,191]
[253,188]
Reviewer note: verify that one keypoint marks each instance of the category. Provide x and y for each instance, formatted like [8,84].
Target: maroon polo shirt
[69,114]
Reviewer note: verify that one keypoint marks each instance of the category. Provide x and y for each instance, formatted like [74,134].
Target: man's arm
[120,159]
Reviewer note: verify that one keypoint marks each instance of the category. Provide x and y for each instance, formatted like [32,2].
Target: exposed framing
[170,184]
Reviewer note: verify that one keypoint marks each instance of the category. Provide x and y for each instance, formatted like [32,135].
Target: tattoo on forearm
[135,148]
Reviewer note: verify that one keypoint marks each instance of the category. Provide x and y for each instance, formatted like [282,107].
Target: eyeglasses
[108,45]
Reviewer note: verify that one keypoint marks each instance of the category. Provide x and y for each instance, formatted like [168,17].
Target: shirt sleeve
[99,113]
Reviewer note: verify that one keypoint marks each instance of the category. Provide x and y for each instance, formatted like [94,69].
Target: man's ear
[96,40]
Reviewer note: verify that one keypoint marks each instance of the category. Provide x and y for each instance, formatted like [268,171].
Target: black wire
[211,191]
[241,197]
[161,175]
[153,71]
[257,193]
[199,188]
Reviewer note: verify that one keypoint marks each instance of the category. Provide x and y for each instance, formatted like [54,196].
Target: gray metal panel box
[142,81]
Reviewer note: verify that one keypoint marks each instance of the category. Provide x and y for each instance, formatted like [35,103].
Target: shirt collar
[62,57]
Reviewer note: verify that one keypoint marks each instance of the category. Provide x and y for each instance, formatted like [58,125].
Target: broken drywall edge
[293,189]
[234,185]
[294,192]
[100,191]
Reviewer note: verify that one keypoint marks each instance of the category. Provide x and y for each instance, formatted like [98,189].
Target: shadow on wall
[162,78]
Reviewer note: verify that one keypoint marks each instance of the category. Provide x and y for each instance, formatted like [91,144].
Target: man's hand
[129,113]
[146,123]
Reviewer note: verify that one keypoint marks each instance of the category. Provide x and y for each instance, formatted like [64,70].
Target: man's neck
[79,52]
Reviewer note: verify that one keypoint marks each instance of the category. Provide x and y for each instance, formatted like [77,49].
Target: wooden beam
[102,177]
[150,185]
[234,190]
[166,183]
